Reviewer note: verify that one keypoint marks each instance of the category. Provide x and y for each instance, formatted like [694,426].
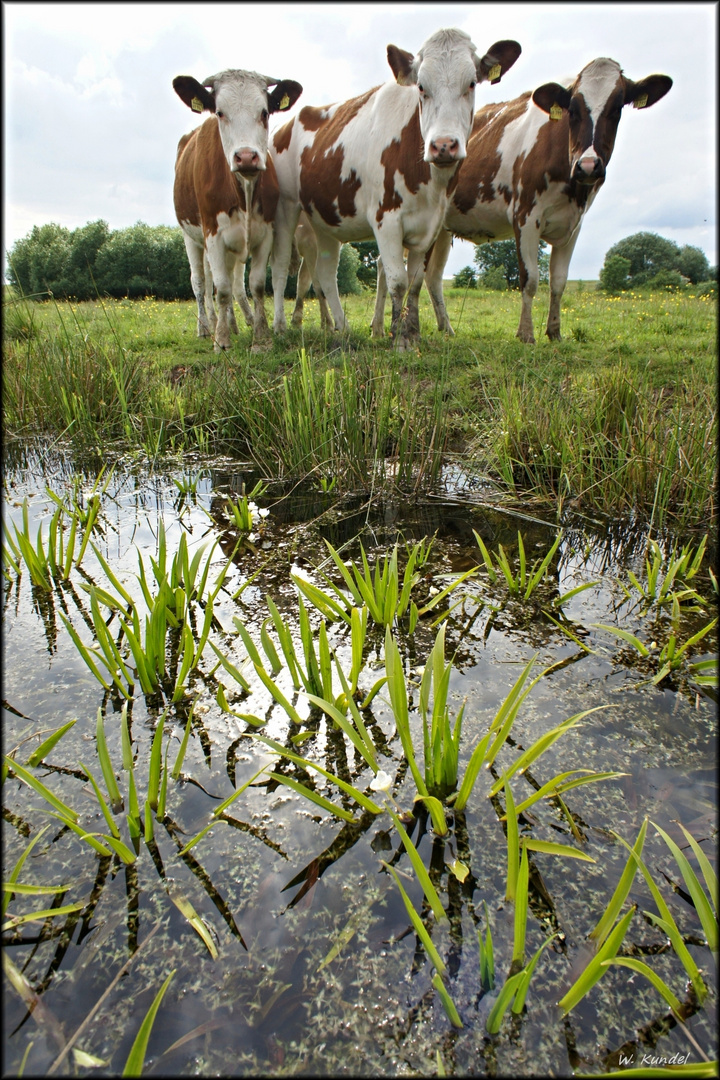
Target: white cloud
[92,123]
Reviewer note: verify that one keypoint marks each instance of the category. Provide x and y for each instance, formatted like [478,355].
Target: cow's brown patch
[404,155]
[184,198]
[312,118]
[325,191]
[281,138]
[321,186]
[267,192]
[216,189]
[476,180]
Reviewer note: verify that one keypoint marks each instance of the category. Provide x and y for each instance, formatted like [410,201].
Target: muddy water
[317,968]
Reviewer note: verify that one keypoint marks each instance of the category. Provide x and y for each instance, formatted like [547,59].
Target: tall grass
[620,416]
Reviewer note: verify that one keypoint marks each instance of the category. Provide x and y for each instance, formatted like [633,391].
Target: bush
[614,275]
[145,260]
[693,264]
[502,254]
[707,288]
[347,275]
[465,278]
[367,269]
[666,279]
[494,279]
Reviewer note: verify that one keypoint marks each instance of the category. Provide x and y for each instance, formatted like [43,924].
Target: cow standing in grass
[534,166]
[226,192]
[382,165]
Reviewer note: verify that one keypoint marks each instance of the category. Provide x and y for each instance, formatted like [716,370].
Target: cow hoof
[527,339]
[554,336]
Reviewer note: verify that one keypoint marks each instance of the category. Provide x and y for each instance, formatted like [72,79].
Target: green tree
[144,260]
[614,275]
[494,278]
[348,267]
[503,254]
[38,261]
[647,254]
[85,243]
[465,278]
[693,264]
[367,269]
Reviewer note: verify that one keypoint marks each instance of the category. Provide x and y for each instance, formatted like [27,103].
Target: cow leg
[326,275]
[239,291]
[304,281]
[416,274]
[390,247]
[559,266]
[222,264]
[211,317]
[325,313]
[258,268]
[434,279]
[286,219]
[198,280]
[527,241]
[377,327]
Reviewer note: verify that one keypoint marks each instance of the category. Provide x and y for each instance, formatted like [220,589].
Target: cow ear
[645,93]
[552,96]
[196,97]
[499,58]
[284,96]
[401,63]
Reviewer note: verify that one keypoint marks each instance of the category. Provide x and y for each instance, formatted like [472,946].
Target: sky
[91,121]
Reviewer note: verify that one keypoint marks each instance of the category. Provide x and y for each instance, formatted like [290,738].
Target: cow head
[593,105]
[446,71]
[242,103]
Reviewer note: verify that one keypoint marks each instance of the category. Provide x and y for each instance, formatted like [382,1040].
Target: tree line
[142,260]
[641,260]
[150,260]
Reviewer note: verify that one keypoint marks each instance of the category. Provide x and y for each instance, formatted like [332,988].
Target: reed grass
[613,418]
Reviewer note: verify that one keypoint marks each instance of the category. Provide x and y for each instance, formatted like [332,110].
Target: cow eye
[264,116]
[220,115]
[472,86]
[421,88]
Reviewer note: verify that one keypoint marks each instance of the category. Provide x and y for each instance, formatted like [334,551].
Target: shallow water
[279,880]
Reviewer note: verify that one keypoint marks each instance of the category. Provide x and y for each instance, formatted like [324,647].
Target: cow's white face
[242,104]
[446,71]
[594,105]
[241,108]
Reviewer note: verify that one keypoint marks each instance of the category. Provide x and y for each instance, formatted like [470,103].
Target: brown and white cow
[226,191]
[381,165]
[534,166]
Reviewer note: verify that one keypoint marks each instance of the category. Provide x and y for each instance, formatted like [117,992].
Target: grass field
[620,416]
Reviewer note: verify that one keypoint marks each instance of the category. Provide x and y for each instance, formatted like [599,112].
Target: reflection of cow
[226,191]
[534,166]
[381,165]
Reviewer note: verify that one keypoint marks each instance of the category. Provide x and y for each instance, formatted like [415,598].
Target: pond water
[313,965]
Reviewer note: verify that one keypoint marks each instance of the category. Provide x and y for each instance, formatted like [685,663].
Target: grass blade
[136,1057]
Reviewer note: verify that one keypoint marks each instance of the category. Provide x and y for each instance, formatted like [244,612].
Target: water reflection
[279,883]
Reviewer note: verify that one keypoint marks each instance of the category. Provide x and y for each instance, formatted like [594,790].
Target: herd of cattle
[410,164]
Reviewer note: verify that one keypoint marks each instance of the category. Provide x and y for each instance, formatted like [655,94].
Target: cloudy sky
[91,122]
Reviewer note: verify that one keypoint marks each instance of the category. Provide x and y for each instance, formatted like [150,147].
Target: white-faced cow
[381,165]
[226,191]
[534,166]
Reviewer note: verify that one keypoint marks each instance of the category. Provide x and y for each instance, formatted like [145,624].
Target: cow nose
[444,149]
[246,159]
[590,168]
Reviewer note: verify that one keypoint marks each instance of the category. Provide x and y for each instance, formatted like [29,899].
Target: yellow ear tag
[284,102]
[494,73]
[555,112]
[196,105]
[641,102]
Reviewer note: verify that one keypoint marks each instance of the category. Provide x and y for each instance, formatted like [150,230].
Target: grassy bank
[620,416]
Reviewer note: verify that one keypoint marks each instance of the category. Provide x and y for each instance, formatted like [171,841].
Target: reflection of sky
[662,740]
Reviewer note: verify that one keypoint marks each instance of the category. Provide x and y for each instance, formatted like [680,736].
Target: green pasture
[620,416]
